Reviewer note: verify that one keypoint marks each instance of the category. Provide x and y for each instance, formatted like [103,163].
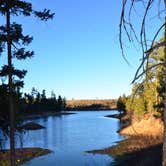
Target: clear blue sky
[77,54]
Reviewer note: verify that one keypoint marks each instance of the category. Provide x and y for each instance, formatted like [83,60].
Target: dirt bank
[148,125]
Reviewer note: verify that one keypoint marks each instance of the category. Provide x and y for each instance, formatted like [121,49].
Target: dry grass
[110,103]
[147,126]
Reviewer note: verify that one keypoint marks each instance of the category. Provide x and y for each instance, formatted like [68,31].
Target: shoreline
[45,114]
[117,116]
[90,110]
[67,112]
[139,149]
[26,154]
[23,155]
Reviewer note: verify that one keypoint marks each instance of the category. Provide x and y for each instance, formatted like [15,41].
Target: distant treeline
[91,104]
[30,103]
[37,102]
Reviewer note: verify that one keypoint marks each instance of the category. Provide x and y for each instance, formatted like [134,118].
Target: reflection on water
[70,136]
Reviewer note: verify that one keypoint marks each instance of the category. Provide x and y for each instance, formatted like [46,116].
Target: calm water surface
[70,136]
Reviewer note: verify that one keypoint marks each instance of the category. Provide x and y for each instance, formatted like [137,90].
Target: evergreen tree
[43,95]
[60,103]
[64,103]
[121,104]
[38,97]
[53,96]
[43,100]
[34,92]
[14,41]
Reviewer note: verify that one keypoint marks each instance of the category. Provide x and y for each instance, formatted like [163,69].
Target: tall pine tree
[14,42]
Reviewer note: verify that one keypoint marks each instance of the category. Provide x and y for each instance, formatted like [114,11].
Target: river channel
[70,136]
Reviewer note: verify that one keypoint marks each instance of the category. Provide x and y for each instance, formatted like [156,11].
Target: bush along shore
[142,147]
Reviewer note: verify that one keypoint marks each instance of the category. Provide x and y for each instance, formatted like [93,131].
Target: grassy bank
[22,155]
[146,125]
[143,147]
[131,144]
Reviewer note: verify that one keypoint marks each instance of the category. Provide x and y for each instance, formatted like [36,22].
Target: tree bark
[10,84]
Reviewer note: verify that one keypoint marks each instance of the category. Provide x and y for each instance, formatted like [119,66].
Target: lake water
[70,136]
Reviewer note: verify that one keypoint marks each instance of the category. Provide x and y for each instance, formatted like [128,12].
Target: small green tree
[60,103]
[121,104]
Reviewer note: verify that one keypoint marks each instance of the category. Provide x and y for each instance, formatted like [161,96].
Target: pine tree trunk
[164,140]
[10,84]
